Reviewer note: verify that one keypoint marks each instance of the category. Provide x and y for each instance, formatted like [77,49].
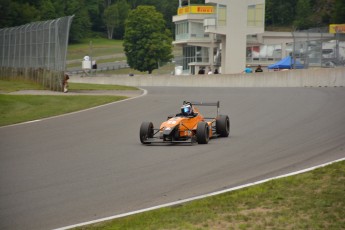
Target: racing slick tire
[223,125]
[202,133]
[146,131]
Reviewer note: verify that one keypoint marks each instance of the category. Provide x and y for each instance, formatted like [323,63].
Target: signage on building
[337,28]
[196,10]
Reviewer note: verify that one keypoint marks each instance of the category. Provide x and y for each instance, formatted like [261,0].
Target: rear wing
[201,103]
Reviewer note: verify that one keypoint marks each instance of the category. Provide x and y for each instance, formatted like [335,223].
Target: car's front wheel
[146,131]
[202,133]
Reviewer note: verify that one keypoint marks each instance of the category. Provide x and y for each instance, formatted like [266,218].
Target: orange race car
[189,126]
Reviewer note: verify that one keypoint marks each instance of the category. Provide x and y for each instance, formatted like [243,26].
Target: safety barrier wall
[330,77]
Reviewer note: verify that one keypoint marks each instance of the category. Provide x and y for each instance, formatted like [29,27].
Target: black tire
[202,133]
[146,131]
[223,125]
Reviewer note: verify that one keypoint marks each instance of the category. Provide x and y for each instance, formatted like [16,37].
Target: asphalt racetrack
[89,165]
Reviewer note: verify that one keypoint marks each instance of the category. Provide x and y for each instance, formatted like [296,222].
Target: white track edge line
[198,197]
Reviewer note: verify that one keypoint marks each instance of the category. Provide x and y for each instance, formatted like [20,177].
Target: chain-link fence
[36,51]
[315,47]
[322,51]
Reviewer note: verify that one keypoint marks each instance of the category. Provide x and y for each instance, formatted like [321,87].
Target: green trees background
[106,17]
[147,42]
[304,14]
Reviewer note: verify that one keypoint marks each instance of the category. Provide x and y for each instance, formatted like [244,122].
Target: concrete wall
[330,77]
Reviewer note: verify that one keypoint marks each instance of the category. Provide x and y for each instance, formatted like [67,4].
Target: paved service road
[89,165]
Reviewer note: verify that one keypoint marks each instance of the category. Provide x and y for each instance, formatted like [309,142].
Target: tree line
[304,14]
[107,17]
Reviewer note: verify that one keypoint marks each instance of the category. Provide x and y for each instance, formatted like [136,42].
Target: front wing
[159,139]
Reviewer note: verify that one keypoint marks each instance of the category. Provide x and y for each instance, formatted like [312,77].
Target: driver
[187,109]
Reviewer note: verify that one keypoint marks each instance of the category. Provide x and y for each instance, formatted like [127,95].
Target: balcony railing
[201,37]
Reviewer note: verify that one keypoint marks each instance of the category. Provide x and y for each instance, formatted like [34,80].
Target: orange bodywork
[186,125]
[189,126]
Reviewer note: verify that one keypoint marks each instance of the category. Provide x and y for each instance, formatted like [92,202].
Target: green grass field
[16,85]
[20,108]
[85,86]
[313,200]
[96,47]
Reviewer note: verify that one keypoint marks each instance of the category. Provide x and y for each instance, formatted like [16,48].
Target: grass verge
[20,108]
[313,200]
[16,85]
[7,86]
[86,86]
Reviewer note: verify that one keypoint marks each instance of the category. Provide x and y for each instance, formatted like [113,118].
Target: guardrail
[99,69]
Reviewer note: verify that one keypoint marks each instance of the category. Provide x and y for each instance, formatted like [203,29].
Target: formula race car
[189,126]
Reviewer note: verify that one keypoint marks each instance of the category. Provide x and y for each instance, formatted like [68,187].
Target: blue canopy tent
[286,63]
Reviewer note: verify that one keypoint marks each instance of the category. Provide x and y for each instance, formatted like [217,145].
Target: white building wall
[236,37]
[236,30]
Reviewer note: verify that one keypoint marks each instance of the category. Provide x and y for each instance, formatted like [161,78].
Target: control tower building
[214,35]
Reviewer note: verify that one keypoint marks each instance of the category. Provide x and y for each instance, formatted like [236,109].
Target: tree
[95,10]
[81,26]
[321,12]
[47,10]
[303,13]
[107,3]
[147,42]
[114,18]
[123,9]
[89,17]
[111,19]
[5,17]
[15,13]
[280,12]
[339,12]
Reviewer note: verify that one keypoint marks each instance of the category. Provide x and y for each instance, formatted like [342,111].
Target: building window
[182,31]
[194,54]
[182,28]
[221,15]
[188,56]
[255,15]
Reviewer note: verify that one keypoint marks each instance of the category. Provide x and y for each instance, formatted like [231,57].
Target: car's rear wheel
[146,131]
[223,125]
[202,133]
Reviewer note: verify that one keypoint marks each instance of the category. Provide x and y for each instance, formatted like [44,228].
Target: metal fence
[36,51]
[316,48]
[312,48]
